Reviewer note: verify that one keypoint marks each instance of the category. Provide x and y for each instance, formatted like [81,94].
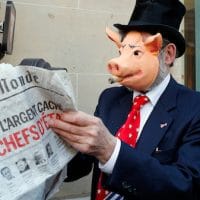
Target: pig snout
[118,67]
[113,67]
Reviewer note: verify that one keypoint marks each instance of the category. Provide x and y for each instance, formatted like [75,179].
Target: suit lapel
[159,121]
[120,112]
[153,131]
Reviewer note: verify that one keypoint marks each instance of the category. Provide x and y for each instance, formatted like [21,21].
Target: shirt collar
[156,92]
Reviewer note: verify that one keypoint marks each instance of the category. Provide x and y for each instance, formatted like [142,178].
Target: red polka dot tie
[128,133]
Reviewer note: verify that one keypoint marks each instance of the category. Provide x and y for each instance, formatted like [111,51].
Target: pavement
[71,198]
[80,198]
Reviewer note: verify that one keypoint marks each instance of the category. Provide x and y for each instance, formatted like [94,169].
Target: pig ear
[154,43]
[114,36]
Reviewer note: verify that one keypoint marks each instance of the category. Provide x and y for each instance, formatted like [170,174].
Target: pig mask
[138,65]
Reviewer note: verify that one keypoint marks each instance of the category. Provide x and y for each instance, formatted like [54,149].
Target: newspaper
[33,159]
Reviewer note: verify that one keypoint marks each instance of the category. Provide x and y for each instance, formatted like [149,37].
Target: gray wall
[71,34]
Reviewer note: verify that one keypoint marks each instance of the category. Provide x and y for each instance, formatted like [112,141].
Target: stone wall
[71,34]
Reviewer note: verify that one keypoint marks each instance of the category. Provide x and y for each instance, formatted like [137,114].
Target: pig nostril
[113,66]
[109,67]
[116,67]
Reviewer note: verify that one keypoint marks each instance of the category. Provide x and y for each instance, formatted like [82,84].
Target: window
[189,32]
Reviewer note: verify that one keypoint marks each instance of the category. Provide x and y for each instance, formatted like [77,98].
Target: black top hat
[162,16]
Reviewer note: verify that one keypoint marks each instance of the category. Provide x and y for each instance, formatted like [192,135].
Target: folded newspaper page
[33,159]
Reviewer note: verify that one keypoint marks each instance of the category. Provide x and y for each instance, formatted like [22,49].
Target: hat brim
[167,32]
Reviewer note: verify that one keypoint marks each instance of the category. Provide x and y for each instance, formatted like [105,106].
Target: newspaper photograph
[33,159]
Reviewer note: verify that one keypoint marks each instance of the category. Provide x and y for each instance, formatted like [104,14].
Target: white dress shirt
[145,112]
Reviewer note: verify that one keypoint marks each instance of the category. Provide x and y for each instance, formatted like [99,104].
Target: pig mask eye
[137,52]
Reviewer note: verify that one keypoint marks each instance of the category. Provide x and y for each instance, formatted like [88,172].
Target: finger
[69,136]
[77,142]
[65,126]
[83,138]
[77,117]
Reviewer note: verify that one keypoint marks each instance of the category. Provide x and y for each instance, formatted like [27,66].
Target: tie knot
[139,101]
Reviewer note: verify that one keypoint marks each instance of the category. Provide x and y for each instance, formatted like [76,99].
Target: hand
[85,133]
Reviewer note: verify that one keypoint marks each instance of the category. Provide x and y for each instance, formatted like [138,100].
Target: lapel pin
[163,125]
[158,150]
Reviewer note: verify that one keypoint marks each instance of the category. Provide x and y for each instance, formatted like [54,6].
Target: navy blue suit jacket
[166,161]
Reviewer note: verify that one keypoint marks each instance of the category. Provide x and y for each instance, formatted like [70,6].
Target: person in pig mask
[154,154]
